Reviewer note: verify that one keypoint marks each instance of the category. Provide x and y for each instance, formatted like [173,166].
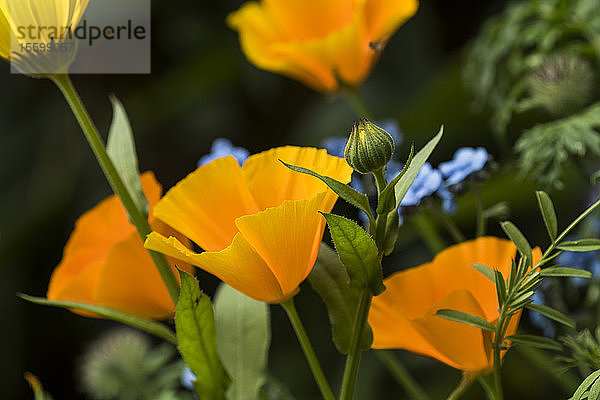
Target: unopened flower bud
[369,147]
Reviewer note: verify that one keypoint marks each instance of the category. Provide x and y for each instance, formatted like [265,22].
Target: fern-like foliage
[545,148]
[513,45]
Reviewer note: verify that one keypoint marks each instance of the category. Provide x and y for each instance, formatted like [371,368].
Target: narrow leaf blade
[518,239]
[566,272]
[152,327]
[536,341]
[486,271]
[196,336]
[469,319]
[417,162]
[552,314]
[582,245]
[243,340]
[548,213]
[121,150]
[358,252]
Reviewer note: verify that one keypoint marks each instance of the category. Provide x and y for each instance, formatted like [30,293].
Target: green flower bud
[562,84]
[369,147]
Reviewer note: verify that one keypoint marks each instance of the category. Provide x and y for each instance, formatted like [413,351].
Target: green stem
[487,388]
[401,374]
[356,102]
[428,233]
[450,226]
[498,340]
[465,383]
[136,216]
[309,353]
[480,221]
[353,359]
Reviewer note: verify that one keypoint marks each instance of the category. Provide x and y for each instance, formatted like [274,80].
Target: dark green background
[202,88]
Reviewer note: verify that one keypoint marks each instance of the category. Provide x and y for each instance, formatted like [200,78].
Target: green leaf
[594,392]
[500,286]
[243,339]
[357,199]
[196,336]
[486,271]
[469,319]
[587,382]
[566,272]
[552,314]
[358,252]
[330,280]
[154,328]
[518,239]
[121,150]
[580,245]
[417,162]
[536,341]
[548,213]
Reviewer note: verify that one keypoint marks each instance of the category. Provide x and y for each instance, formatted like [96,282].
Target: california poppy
[403,317]
[319,42]
[105,263]
[259,223]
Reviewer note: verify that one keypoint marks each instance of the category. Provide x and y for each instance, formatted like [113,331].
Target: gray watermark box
[112,37]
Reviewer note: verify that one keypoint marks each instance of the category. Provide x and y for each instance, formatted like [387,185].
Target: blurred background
[202,88]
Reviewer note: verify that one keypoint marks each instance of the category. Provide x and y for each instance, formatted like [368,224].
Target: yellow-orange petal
[287,238]
[204,205]
[461,346]
[239,265]
[383,17]
[129,281]
[4,37]
[271,182]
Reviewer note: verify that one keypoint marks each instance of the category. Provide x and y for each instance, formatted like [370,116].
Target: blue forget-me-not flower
[466,161]
[222,147]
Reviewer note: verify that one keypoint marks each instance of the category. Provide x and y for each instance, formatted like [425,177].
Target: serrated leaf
[583,387]
[536,341]
[151,327]
[197,341]
[357,199]
[413,169]
[243,340]
[469,319]
[358,252]
[330,280]
[121,150]
[518,239]
[566,272]
[548,213]
[552,314]
[580,245]
[486,271]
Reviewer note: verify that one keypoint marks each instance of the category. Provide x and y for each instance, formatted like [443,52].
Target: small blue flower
[335,145]
[538,319]
[465,162]
[426,183]
[187,378]
[222,148]
[587,260]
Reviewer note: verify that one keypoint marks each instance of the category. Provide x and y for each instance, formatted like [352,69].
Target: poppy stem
[356,102]
[114,179]
[401,374]
[353,359]
[464,384]
[309,352]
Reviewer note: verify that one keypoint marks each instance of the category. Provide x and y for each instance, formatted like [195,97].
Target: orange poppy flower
[319,41]
[403,317]
[258,223]
[105,263]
